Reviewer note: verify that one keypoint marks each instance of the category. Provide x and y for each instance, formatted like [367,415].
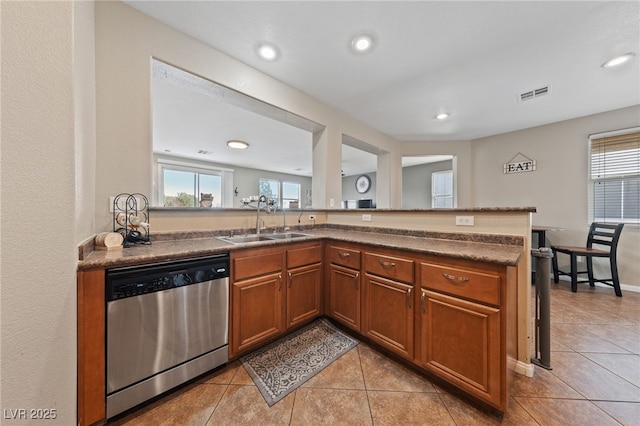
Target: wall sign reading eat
[526,165]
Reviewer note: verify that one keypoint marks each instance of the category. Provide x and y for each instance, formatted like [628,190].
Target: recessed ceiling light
[236,144]
[442,116]
[618,60]
[268,52]
[362,43]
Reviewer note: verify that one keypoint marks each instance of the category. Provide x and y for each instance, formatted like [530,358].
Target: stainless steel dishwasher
[166,324]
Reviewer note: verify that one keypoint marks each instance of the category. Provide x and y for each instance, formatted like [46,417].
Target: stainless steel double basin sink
[252,238]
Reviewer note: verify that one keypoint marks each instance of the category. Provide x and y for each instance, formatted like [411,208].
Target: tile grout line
[364,381]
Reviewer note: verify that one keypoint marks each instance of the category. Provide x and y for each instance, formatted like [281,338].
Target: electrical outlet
[366,218]
[312,217]
[464,220]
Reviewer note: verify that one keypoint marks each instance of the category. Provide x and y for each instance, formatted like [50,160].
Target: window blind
[615,177]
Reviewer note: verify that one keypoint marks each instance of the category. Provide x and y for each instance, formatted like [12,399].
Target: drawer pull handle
[423,307]
[280,282]
[458,280]
[290,279]
[387,264]
[344,255]
[357,279]
[409,292]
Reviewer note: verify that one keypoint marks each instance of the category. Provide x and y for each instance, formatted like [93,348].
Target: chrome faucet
[262,199]
[285,228]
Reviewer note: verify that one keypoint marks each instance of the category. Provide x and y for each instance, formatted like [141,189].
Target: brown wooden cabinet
[462,328]
[273,289]
[343,293]
[454,318]
[304,284]
[388,307]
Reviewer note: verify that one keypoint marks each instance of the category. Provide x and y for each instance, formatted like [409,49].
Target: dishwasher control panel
[139,280]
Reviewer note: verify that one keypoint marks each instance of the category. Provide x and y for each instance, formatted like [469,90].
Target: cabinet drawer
[304,256]
[345,257]
[390,267]
[483,287]
[257,264]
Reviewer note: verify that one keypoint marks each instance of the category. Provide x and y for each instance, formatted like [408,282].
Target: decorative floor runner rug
[280,367]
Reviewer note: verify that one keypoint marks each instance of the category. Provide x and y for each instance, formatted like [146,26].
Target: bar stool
[600,234]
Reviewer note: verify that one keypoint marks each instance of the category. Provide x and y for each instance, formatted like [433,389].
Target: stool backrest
[606,234]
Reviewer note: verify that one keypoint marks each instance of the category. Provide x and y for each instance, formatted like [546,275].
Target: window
[442,189]
[186,185]
[615,178]
[272,189]
[290,193]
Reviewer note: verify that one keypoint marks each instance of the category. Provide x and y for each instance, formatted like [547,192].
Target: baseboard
[525,369]
[625,287]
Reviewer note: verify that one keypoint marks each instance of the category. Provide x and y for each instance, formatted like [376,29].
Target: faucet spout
[285,228]
[262,199]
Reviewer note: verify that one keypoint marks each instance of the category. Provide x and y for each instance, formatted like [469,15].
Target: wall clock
[363,183]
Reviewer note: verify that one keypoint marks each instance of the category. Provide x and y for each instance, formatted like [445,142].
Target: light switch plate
[464,220]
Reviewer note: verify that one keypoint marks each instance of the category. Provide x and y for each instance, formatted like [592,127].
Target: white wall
[558,188]
[126,40]
[46,116]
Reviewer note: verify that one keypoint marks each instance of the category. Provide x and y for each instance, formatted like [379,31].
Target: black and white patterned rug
[280,367]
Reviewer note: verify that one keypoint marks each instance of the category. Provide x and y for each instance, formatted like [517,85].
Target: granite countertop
[504,250]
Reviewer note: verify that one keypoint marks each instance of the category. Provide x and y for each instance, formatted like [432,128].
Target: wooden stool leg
[574,273]
[554,261]
[590,271]
[614,275]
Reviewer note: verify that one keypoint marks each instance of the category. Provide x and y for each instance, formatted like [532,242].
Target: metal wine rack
[131,218]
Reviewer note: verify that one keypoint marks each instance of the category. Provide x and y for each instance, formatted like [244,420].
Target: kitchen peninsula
[443,288]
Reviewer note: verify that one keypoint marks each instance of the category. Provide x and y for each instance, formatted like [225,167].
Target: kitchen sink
[252,238]
[286,235]
[240,239]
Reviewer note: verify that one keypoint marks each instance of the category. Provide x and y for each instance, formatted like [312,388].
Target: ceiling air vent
[536,93]
[203,152]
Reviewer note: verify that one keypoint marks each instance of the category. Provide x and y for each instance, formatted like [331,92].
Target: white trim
[626,287]
[525,369]
[195,165]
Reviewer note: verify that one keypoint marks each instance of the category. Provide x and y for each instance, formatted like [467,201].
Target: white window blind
[615,178]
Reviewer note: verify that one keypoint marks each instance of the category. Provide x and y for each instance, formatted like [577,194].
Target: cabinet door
[388,314]
[303,294]
[256,311]
[344,303]
[460,342]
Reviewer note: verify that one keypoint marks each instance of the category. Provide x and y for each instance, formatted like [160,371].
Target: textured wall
[38,227]
[559,186]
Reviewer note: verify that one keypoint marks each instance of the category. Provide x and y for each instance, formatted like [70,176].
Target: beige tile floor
[595,380]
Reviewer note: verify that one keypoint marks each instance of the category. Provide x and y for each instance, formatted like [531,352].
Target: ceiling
[470,59]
